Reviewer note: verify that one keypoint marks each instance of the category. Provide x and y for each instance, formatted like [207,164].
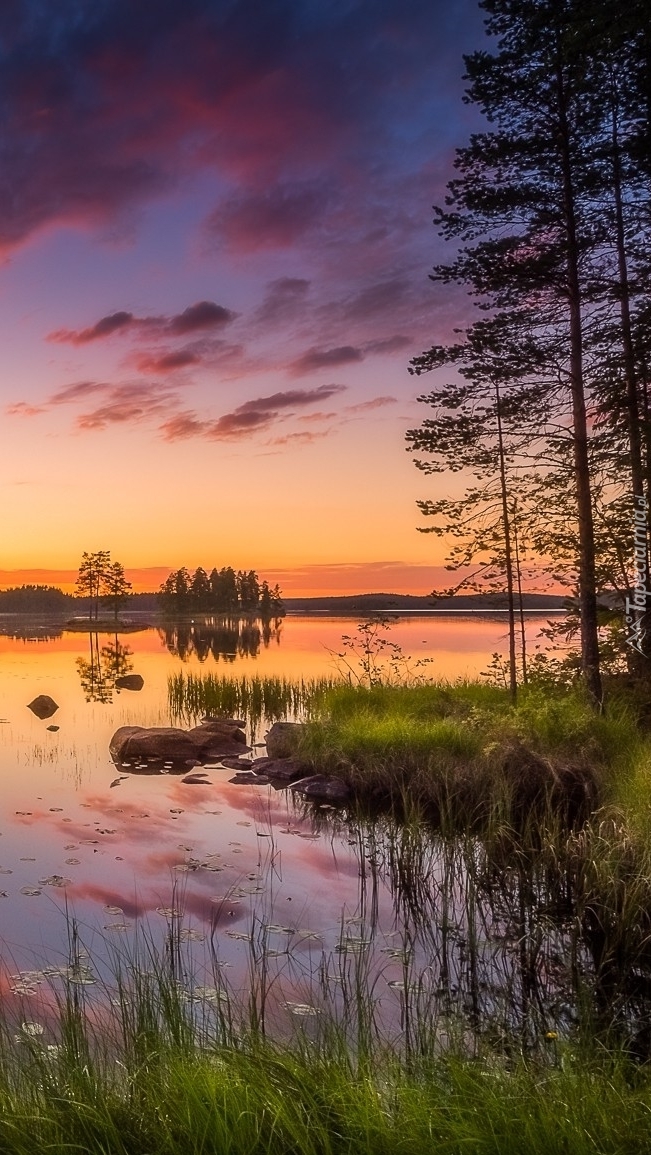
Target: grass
[150,1070]
[252,698]
[467,756]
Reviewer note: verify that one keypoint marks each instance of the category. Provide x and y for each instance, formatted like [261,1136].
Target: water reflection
[223,638]
[105,664]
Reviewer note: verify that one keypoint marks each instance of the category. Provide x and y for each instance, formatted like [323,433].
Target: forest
[542,398]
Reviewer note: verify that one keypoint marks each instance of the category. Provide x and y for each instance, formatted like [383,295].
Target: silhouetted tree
[115,587]
[92,570]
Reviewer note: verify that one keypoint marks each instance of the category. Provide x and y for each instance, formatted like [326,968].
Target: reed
[140,1073]
[250,697]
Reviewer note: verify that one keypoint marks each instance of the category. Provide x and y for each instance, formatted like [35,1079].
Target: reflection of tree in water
[98,673]
[225,638]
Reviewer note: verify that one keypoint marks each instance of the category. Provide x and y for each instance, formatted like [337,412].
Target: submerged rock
[283,738]
[52,729]
[130,682]
[320,788]
[149,747]
[280,769]
[43,706]
[249,780]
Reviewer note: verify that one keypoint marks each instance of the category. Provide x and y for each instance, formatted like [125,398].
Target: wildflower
[551,1035]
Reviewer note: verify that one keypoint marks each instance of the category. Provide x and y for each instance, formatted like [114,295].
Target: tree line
[225,591]
[548,218]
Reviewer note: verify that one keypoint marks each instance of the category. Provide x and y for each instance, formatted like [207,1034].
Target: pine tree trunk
[587,574]
[513,679]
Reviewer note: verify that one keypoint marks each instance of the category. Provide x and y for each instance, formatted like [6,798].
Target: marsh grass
[157,1067]
[252,698]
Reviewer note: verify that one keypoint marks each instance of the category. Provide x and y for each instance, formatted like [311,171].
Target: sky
[215,239]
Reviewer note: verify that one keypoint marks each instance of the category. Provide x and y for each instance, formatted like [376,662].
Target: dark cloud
[259,413]
[105,327]
[272,218]
[283,299]
[316,358]
[203,315]
[389,344]
[104,105]
[378,298]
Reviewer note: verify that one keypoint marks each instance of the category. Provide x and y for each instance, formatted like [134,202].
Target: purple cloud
[283,299]
[270,218]
[105,327]
[203,315]
[316,358]
[259,413]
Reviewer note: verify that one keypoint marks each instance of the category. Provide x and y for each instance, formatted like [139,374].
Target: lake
[237,873]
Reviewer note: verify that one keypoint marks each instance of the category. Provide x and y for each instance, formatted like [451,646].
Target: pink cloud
[23,409]
[166,362]
[374,403]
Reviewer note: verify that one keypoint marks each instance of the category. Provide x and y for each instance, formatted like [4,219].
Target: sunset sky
[215,223]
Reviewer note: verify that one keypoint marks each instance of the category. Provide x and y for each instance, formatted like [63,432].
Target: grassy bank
[466,756]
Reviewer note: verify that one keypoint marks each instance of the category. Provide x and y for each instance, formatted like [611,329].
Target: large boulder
[321,788]
[283,738]
[44,706]
[280,769]
[139,744]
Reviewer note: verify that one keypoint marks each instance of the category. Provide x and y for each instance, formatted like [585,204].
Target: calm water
[239,869]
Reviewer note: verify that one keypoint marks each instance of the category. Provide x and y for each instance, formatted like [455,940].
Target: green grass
[465,753]
[150,1074]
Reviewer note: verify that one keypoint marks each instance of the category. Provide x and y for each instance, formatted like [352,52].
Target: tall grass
[252,698]
[155,1065]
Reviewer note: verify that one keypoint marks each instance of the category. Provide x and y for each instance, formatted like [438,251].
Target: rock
[280,769]
[249,779]
[194,780]
[52,729]
[218,718]
[320,788]
[283,738]
[44,706]
[235,763]
[142,745]
[130,682]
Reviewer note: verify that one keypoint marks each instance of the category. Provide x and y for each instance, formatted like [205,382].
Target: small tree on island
[92,570]
[115,587]
[101,580]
